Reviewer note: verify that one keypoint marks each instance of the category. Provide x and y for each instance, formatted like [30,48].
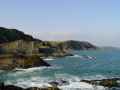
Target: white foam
[30,69]
[48,59]
[76,85]
[43,82]
[94,77]
[55,67]
[80,86]
[67,77]
[32,84]
[40,82]
[37,68]
[20,72]
[76,56]
[1,71]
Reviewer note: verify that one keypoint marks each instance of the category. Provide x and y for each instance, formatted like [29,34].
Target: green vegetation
[8,35]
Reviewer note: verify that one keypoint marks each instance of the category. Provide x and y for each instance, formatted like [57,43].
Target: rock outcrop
[21,61]
[110,83]
[12,87]
[77,45]
[13,41]
[9,35]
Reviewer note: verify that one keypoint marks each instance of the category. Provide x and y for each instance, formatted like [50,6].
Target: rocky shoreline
[16,43]
[21,61]
[12,87]
[110,84]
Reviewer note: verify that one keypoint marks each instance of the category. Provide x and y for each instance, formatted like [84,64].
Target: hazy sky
[96,21]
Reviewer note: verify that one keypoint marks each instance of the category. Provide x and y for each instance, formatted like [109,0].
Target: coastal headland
[20,50]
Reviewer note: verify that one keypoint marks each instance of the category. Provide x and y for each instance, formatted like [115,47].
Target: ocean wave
[30,69]
[49,59]
[76,84]
[30,72]
[43,82]
[76,56]
[83,57]
[73,78]
[94,77]
[67,77]
[37,68]
[40,82]
[80,86]
[73,82]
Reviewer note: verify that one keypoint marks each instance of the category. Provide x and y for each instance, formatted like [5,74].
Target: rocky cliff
[14,42]
[8,35]
[77,45]
[11,38]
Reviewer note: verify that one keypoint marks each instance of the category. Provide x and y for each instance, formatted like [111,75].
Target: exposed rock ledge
[12,87]
[21,61]
[112,84]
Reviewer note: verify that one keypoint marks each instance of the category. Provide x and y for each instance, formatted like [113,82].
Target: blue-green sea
[106,64]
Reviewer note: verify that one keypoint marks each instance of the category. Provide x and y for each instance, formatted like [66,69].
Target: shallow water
[72,69]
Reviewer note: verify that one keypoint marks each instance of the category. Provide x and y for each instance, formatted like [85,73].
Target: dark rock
[59,82]
[77,45]
[49,88]
[41,63]
[104,82]
[38,62]
[109,83]
[22,61]
[12,87]
[54,83]
[1,86]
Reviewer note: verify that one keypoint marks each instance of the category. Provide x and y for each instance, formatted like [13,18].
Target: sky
[96,21]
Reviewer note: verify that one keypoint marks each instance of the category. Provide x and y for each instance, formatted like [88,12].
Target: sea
[83,65]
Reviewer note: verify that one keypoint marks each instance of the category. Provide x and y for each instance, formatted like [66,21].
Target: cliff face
[14,40]
[9,62]
[63,47]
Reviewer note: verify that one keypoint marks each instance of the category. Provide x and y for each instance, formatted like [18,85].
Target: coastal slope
[14,44]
